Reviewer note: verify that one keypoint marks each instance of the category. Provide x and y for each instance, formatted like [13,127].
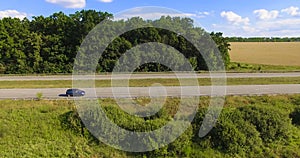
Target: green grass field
[49,129]
[267,53]
[260,68]
[147,82]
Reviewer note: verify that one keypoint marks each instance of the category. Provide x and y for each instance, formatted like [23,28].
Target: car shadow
[63,95]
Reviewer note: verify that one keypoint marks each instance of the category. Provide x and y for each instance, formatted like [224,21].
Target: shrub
[269,121]
[72,121]
[39,96]
[295,116]
[244,130]
[132,123]
[232,134]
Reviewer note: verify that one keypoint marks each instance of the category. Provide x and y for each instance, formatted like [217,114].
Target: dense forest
[263,39]
[50,44]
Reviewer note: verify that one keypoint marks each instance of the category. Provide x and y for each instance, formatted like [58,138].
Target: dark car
[75,92]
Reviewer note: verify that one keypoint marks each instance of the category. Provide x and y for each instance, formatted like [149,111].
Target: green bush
[71,121]
[271,123]
[245,131]
[181,146]
[39,95]
[295,116]
[232,134]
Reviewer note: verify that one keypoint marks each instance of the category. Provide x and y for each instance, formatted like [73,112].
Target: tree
[50,44]
[223,46]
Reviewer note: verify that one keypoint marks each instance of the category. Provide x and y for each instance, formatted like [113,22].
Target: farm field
[268,53]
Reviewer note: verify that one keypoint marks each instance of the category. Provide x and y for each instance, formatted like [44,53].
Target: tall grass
[249,126]
[149,82]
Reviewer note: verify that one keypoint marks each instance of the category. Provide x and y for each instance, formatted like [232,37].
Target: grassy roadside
[148,82]
[233,67]
[247,67]
[34,129]
[48,129]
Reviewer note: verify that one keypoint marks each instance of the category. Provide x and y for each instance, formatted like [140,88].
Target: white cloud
[291,11]
[106,1]
[267,28]
[152,13]
[235,18]
[279,24]
[13,14]
[69,3]
[269,23]
[265,14]
[153,16]
[203,14]
[235,30]
[249,29]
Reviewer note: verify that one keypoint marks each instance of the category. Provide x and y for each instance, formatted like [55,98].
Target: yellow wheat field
[270,53]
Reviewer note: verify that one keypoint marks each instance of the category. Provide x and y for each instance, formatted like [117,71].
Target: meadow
[266,53]
[249,126]
[149,82]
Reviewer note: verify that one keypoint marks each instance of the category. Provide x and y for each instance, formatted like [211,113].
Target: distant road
[154,75]
[53,93]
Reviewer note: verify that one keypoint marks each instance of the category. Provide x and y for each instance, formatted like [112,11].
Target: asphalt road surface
[153,75]
[59,93]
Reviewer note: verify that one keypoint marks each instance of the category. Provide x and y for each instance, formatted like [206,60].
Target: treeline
[264,39]
[50,44]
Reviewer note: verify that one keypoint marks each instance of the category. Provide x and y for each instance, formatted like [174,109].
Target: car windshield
[70,90]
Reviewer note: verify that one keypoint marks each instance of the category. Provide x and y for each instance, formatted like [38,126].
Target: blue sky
[247,18]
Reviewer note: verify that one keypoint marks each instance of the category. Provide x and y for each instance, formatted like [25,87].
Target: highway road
[153,75]
[58,93]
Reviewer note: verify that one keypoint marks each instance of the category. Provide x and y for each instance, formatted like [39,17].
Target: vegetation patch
[260,68]
[150,82]
[249,126]
[50,44]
